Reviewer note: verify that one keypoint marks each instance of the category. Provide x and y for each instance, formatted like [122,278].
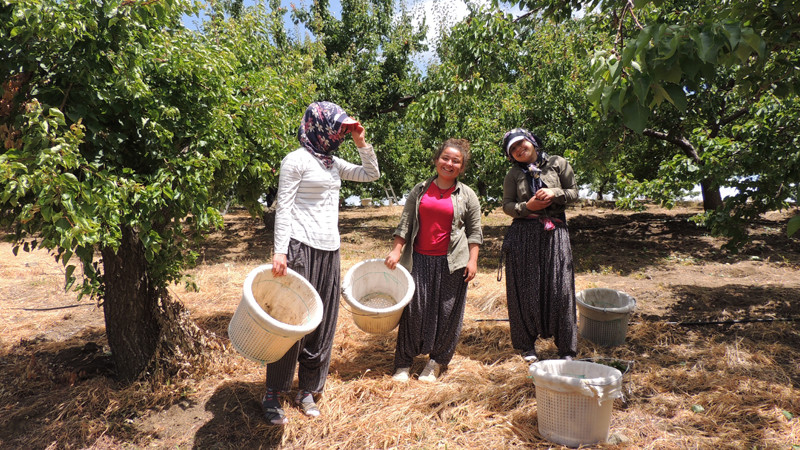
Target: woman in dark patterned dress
[440,229]
[540,282]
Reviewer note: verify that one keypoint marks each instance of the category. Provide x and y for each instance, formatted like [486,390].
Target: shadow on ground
[237,421]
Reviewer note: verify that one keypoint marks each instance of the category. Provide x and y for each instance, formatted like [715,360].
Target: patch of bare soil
[713,349]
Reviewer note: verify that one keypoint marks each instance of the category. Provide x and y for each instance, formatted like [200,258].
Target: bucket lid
[578,377]
[606,300]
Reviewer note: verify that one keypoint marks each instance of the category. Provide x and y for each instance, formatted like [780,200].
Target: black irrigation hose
[56,307]
[735,321]
[703,322]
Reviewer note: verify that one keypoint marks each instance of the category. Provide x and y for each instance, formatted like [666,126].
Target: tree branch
[66,95]
[726,120]
[680,141]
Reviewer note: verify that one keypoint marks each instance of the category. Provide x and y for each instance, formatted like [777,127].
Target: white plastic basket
[574,400]
[274,313]
[376,295]
[604,315]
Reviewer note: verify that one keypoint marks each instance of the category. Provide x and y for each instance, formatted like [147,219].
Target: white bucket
[274,313]
[604,315]
[574,400]
[376,295]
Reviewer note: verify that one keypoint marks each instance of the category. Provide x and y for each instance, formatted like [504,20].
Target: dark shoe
[272,408]
[305,400]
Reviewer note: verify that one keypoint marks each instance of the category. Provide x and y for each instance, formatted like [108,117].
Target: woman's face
[450,164]
[523,151]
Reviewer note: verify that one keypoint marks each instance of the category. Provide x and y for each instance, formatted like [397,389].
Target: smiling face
[523,151]
[449,165]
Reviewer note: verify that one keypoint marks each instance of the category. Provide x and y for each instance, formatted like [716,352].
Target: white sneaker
[430,372]
[530,356]
[401,374]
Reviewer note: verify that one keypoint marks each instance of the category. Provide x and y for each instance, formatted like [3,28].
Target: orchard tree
[123,134]
[498,73]
[715,81]
[363,62]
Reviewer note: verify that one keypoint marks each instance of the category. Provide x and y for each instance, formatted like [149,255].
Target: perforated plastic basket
[274,313]
[376,295]
[603,315]
[574,400]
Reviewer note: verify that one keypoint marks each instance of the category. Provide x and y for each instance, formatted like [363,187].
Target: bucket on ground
[574,400]
[603,315]
[274,313]
[376,295]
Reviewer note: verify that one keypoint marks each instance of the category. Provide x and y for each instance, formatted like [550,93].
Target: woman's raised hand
[359,135]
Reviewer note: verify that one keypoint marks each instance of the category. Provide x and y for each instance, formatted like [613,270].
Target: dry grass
[732,386]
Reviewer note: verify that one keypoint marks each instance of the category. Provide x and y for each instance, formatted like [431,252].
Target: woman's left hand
[545,194]
[359,135]
[470,271]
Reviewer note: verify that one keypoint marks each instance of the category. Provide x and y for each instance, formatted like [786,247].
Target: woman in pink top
[442,222]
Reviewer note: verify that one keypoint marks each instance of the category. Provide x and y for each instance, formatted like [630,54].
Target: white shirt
[308,197]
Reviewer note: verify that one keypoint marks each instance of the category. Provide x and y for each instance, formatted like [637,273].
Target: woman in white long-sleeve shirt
[307,241]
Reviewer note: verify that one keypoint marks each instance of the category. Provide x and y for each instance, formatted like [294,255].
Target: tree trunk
[130,306]
[712,199]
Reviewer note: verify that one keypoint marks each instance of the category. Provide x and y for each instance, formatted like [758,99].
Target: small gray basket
[604,315]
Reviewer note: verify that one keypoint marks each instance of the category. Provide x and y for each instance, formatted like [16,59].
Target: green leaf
[734,33]
[635,116]
[698,408]
[68,272]
[787,414]
[641,88]
[706,48]
[676,96]
[793,226]
[753,40]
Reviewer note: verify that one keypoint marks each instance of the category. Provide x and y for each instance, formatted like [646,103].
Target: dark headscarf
[532,170]
[321,131]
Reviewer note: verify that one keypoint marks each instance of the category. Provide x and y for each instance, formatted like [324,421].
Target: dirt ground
[731,384]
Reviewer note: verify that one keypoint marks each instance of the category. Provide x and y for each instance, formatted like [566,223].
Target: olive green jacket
[465,230]
[556,174]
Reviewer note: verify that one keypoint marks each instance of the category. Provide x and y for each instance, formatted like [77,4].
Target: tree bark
[130,306]
[712,199]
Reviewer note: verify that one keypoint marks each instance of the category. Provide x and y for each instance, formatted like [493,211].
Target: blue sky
[440,14]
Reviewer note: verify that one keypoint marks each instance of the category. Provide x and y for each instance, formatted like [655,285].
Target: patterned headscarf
[321,131]
[532,170]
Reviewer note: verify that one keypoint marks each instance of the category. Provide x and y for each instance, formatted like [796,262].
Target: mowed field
[734,383]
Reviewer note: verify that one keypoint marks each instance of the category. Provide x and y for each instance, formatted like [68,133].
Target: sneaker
[305,400]
[530,356]
[401,374]
[271,407]
[430,372]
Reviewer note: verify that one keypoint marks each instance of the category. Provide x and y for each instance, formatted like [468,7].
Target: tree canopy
[121,124]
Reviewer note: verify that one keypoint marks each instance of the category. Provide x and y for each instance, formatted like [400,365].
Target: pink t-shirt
[435,222]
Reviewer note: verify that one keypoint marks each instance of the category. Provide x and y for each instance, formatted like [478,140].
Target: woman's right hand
[279,265]
[392,259]
[534,204]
